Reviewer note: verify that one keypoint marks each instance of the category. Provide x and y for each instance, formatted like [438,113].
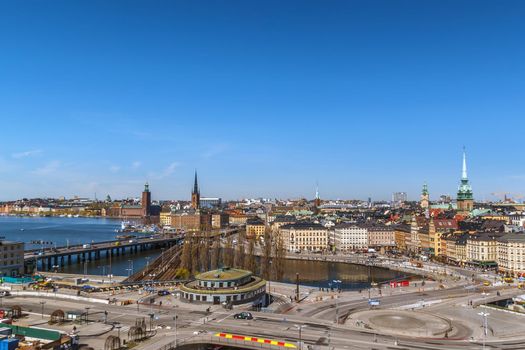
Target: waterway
[62,231]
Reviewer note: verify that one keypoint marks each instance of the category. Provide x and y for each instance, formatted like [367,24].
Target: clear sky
[263,98]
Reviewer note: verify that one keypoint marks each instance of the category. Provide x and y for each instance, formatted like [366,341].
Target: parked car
[243,316]
[162,293]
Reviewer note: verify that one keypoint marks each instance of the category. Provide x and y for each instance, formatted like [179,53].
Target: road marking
[222,319]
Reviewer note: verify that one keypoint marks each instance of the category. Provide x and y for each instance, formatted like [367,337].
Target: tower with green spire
[425,198]
[465,199]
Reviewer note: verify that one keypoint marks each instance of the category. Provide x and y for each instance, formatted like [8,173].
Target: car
[162,293]
[243,316]
[202,331]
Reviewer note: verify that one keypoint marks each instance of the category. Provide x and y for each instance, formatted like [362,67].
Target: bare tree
[195,255]
[249,261]
[279,257]
[185,260]
[204,253]
[240,251]
[227,257]
[266,255]
[215,256]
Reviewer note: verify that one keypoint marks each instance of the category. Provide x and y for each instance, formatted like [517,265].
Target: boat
[125,236]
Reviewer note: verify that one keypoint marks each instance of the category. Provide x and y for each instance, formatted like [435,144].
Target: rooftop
[224,274]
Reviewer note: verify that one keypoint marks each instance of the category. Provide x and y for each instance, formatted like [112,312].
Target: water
[85,230]
[57,231]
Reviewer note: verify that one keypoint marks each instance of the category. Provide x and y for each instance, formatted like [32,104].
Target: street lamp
[118,327]
[87,314]
[175,321]
[484,315]
[338,284]
[42,304]
[300,328]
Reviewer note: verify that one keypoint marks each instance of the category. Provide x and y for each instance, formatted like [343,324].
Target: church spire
[195,185]
[464,172]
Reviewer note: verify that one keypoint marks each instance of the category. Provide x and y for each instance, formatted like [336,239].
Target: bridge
[95,251]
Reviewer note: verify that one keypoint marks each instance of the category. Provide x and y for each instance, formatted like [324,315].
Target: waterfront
[61,231]
[57,231]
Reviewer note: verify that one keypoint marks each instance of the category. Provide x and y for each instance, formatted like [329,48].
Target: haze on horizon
[263,98]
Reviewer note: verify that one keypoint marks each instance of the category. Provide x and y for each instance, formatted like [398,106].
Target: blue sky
[264,98]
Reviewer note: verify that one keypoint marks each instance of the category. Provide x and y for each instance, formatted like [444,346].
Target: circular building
[233,286]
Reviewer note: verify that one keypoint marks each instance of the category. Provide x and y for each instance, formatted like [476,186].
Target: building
[511,254]
[195,195]
[144,210]
[255,228]
[465,199]
[226,285]
[11,258]
[399,198]
[350,237]
[220,220]
[381,237]
[425,198]
[304,236]
[281,220]
[482,249]
[210,203]
[402,237]
[191,221]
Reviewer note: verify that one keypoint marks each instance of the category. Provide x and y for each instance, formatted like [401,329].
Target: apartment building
[304,236]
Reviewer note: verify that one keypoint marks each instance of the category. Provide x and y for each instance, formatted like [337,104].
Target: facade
[511,254]
[402,237]
[349,237]
[210,203]
[191,221]
[465,199]
[482,248]
[381,237]
[225,285]
[11,258]
[255,228]
[238,219]
[165,218]
[220,220]
[305,237]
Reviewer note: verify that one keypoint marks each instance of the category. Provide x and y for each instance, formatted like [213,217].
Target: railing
[212,339]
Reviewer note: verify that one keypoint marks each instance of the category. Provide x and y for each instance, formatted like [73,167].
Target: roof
[224,274]
[513,237]
[303,225]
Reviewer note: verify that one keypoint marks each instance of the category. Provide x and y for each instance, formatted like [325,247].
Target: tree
[214,255]
[204,255]
[239,252]
[185,260]
[227,257]
[266,255]
[249,261]
[280,257]
[195,255]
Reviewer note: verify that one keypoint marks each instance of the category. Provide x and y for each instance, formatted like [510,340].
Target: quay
[95,251]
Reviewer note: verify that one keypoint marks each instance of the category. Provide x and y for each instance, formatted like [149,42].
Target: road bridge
[95,251]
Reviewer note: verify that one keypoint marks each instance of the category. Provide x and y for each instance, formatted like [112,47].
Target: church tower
[317,198]
[465,199]
[195,195]
[146,201]
[424,203]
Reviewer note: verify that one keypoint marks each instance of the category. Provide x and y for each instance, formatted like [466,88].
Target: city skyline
[365,100]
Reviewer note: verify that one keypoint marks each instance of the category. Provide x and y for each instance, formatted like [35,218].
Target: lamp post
[175,322]
[484,315]
[337,282]
[300,328]
[87,314]
[118,327]
[42,307]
